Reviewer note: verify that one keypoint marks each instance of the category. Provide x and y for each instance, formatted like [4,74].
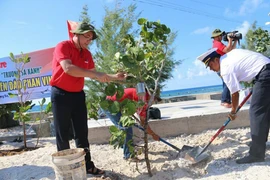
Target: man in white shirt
[241,65]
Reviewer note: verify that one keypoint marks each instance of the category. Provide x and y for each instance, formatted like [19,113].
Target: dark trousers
[260,113]
[226,94]
[69,110]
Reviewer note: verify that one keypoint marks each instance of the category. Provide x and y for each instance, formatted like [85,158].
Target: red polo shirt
[83,59]
[131,93]
[220,46]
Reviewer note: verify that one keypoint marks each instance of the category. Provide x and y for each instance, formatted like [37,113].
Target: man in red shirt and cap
[131,93]
[72,62]
[222,49]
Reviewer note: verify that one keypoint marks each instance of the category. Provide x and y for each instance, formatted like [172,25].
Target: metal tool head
[195,155]
[186,148]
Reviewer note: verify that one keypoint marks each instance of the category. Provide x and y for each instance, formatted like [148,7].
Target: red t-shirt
[220,46]
[131,93]
[83,59]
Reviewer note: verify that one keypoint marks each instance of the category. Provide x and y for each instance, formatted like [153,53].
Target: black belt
[67,91]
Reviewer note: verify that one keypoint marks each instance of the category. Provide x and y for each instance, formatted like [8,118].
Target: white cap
[207,56]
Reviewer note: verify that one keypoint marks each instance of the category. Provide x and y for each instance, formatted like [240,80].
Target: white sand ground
[166,163]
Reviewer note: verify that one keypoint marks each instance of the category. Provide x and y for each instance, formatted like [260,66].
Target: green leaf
[127,121]
[43,101]
[140,56]
[110,90]
[117,56]
[131,79]
[12,57]
[113,129]
[11,95]
[143,34]
[157,24]
[48,108]
[114,108]
[149,24]
[129,64]
[120,92]
[16,116]
[124,102]
[104,104]
[141,21]
[129,108]
[148,55]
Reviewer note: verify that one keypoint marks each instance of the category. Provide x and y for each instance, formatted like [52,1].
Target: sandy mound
[166,162]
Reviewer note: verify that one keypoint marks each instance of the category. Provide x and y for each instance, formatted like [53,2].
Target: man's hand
[232,116]
[230,36]
[235,100]
[155,137]
[121,76]
[102,77]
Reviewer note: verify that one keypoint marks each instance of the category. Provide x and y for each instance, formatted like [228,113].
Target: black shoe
[249,159]
[249,144]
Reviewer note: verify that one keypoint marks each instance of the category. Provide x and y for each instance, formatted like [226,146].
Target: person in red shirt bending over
[72,62]
[131,93]
[222,49]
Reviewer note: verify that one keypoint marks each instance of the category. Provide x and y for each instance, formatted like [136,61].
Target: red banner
[35,76]
[71,26]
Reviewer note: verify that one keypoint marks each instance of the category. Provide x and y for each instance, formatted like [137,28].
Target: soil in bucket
[69,164]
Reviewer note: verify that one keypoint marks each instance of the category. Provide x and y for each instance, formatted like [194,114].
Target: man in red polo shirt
[72,62]
[222,49]
[131,93]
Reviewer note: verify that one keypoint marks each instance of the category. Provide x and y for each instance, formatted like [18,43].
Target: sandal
[92,169]
[95,171]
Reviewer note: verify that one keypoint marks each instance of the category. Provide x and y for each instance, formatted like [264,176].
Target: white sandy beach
[166,163]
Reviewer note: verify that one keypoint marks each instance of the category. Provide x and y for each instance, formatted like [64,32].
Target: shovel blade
[192,155]
[186,147]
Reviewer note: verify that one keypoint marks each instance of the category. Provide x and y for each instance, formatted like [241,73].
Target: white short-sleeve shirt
[240,65]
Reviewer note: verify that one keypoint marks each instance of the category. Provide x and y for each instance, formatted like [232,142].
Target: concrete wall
[175,127]
[42,129]
[212,96]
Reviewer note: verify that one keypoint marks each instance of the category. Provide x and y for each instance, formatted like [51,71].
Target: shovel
[184,148]
[198,153]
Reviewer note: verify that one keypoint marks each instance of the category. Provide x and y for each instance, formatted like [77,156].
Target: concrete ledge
[16,132]
[177,126]
[208,96]
[42,129]
[197,124]
[214,96]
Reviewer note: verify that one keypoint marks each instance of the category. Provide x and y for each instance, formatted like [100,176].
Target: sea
[170,93]
[191,91]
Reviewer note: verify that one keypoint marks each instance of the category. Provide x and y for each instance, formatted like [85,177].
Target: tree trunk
[146,146]
[24,135]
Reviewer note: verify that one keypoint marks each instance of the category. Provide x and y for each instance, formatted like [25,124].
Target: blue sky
[31,25]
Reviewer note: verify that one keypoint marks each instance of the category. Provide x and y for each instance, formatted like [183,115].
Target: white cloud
[198,70]
[247,7]
[201,30]
[179,76]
